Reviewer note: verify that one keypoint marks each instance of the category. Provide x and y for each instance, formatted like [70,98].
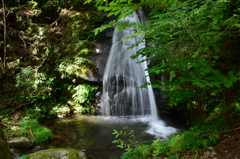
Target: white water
[122,77]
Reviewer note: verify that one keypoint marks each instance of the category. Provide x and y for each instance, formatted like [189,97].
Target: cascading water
[122,77]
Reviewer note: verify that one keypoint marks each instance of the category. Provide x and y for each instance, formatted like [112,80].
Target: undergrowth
[24,157]
[202,135]
[29,128]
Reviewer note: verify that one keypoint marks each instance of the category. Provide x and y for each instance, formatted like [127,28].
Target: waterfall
[122,77]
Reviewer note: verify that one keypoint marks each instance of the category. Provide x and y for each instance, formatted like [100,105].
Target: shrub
[34,85]
[38,133]
[30,128]
[202,135]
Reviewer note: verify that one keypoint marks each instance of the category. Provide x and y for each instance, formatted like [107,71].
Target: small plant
[83,98]
[38,133]
[24,157]
[134,149]
[78,67]
[131,142]
[60,109]
[5,111]
[201,135]
[84,93]
[34,85]
[99,19]
[30,128]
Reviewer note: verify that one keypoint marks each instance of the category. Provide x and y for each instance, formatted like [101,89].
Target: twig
[4,124]
[220,132]
[31,132]
[233,138]
[228,130]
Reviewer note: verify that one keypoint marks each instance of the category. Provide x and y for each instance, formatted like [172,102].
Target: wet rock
[109,32]
[20,142]
[100,59]
[14,153]
[60,153]
[37,148]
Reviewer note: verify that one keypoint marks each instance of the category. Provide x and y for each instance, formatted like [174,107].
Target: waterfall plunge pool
[93,134]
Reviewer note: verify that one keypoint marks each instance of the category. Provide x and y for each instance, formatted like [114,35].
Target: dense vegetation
[195,42]
[44,66]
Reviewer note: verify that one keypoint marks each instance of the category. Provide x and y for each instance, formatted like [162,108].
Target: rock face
[100,60]
[20,142]
[60,153]
[4,149]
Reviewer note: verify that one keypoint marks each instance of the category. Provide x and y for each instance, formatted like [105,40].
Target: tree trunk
[4,149]
[4,36]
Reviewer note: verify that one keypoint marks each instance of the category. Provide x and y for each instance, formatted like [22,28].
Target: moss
[40,133]
[30,128]
[58,154]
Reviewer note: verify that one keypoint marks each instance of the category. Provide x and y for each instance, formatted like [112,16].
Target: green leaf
[228,84]
[155,85]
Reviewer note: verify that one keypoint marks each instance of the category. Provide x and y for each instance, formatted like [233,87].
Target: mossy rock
[20,142]
[60,153]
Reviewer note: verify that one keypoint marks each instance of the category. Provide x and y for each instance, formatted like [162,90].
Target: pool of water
[93,134]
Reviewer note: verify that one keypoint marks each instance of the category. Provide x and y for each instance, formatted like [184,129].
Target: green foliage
[142,151]
[54,3]
[134,149]
[41,109]
[30,128]
[24,157]
[5,111]
[34,85]
[84,93]
[79,67]
[73,63]
[46,37]
[59,110]
[98,19]
[81,25]
[202,135]
[184,39]
[39,133]
[83,98]
[36,88]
